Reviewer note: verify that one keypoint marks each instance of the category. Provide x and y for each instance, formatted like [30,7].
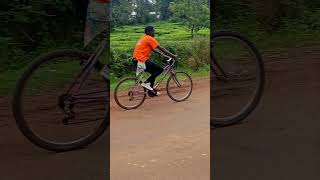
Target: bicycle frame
[168,68]
[78,82]
[215,67]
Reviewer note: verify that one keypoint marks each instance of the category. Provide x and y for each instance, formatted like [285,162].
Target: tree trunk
[192,30]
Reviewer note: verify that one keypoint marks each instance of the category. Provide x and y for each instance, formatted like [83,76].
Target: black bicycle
[237,79]
[60,103]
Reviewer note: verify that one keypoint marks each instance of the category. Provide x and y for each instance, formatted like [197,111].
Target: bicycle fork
[173,74]
[221,75]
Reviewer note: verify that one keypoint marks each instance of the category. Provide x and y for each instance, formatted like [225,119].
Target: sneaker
[147,86]
[153,93]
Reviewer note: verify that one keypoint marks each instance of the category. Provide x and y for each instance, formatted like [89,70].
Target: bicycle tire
[18,110]
[228,121]
[189,93]
[115,94]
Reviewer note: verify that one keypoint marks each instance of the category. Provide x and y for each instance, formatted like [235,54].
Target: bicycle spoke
[238,77]
[179,86]
[46,106]
[129,94]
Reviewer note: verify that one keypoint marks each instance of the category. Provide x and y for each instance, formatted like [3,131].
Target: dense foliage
[193,53]
[195,14]
[31,27]
[270,16]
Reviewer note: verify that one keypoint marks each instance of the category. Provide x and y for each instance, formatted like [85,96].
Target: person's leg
[154,69]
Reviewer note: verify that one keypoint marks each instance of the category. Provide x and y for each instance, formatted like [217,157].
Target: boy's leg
[154,69]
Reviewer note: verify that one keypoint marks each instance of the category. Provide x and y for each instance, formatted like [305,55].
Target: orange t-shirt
[144,47]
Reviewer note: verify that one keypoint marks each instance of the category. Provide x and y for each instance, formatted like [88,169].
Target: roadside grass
[126,37]
[8,81]
[198,74]
[9,78]
[283,40]
[122,39]
[45,78]
[294,35]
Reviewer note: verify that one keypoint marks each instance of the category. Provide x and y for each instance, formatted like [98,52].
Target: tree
[143,9]
[163,7]
[195,14]
[121,12]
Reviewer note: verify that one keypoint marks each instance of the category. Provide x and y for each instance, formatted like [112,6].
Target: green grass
[291,36]
[126,37]
[198,74]
[122,39]
[53,76]
[173,36]
[9,78]
[8,81]
[288,39]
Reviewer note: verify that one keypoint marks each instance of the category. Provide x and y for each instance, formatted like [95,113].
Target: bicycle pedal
[153,94]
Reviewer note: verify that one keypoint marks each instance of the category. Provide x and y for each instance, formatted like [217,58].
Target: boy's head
[149,30]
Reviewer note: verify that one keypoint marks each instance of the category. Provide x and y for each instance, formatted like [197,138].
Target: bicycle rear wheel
[48,116]
[238,78]
[179,86]
[129,94]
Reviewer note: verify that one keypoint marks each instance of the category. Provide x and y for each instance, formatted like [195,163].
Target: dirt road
[169,142]
[281,139]
[162,139]
[20,160]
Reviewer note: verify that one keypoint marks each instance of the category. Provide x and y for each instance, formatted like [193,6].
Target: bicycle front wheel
[238,78]
[50,117]
[179,86]
[129,94]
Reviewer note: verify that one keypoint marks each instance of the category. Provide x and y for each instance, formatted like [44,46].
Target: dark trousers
[152,68]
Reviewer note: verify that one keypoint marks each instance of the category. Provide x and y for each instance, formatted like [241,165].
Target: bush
[191,54]
[3,53]
[200,49]
[312,19]
[121,63]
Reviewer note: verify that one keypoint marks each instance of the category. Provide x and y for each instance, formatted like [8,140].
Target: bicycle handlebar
[171,61]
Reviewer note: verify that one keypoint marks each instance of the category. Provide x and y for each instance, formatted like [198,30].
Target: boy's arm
[164,52]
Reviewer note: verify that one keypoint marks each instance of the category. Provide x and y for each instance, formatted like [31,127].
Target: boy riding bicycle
[141,56]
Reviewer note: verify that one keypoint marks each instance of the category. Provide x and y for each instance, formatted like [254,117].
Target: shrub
[192,54]
[121,63]
[200,50]
[3,52]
